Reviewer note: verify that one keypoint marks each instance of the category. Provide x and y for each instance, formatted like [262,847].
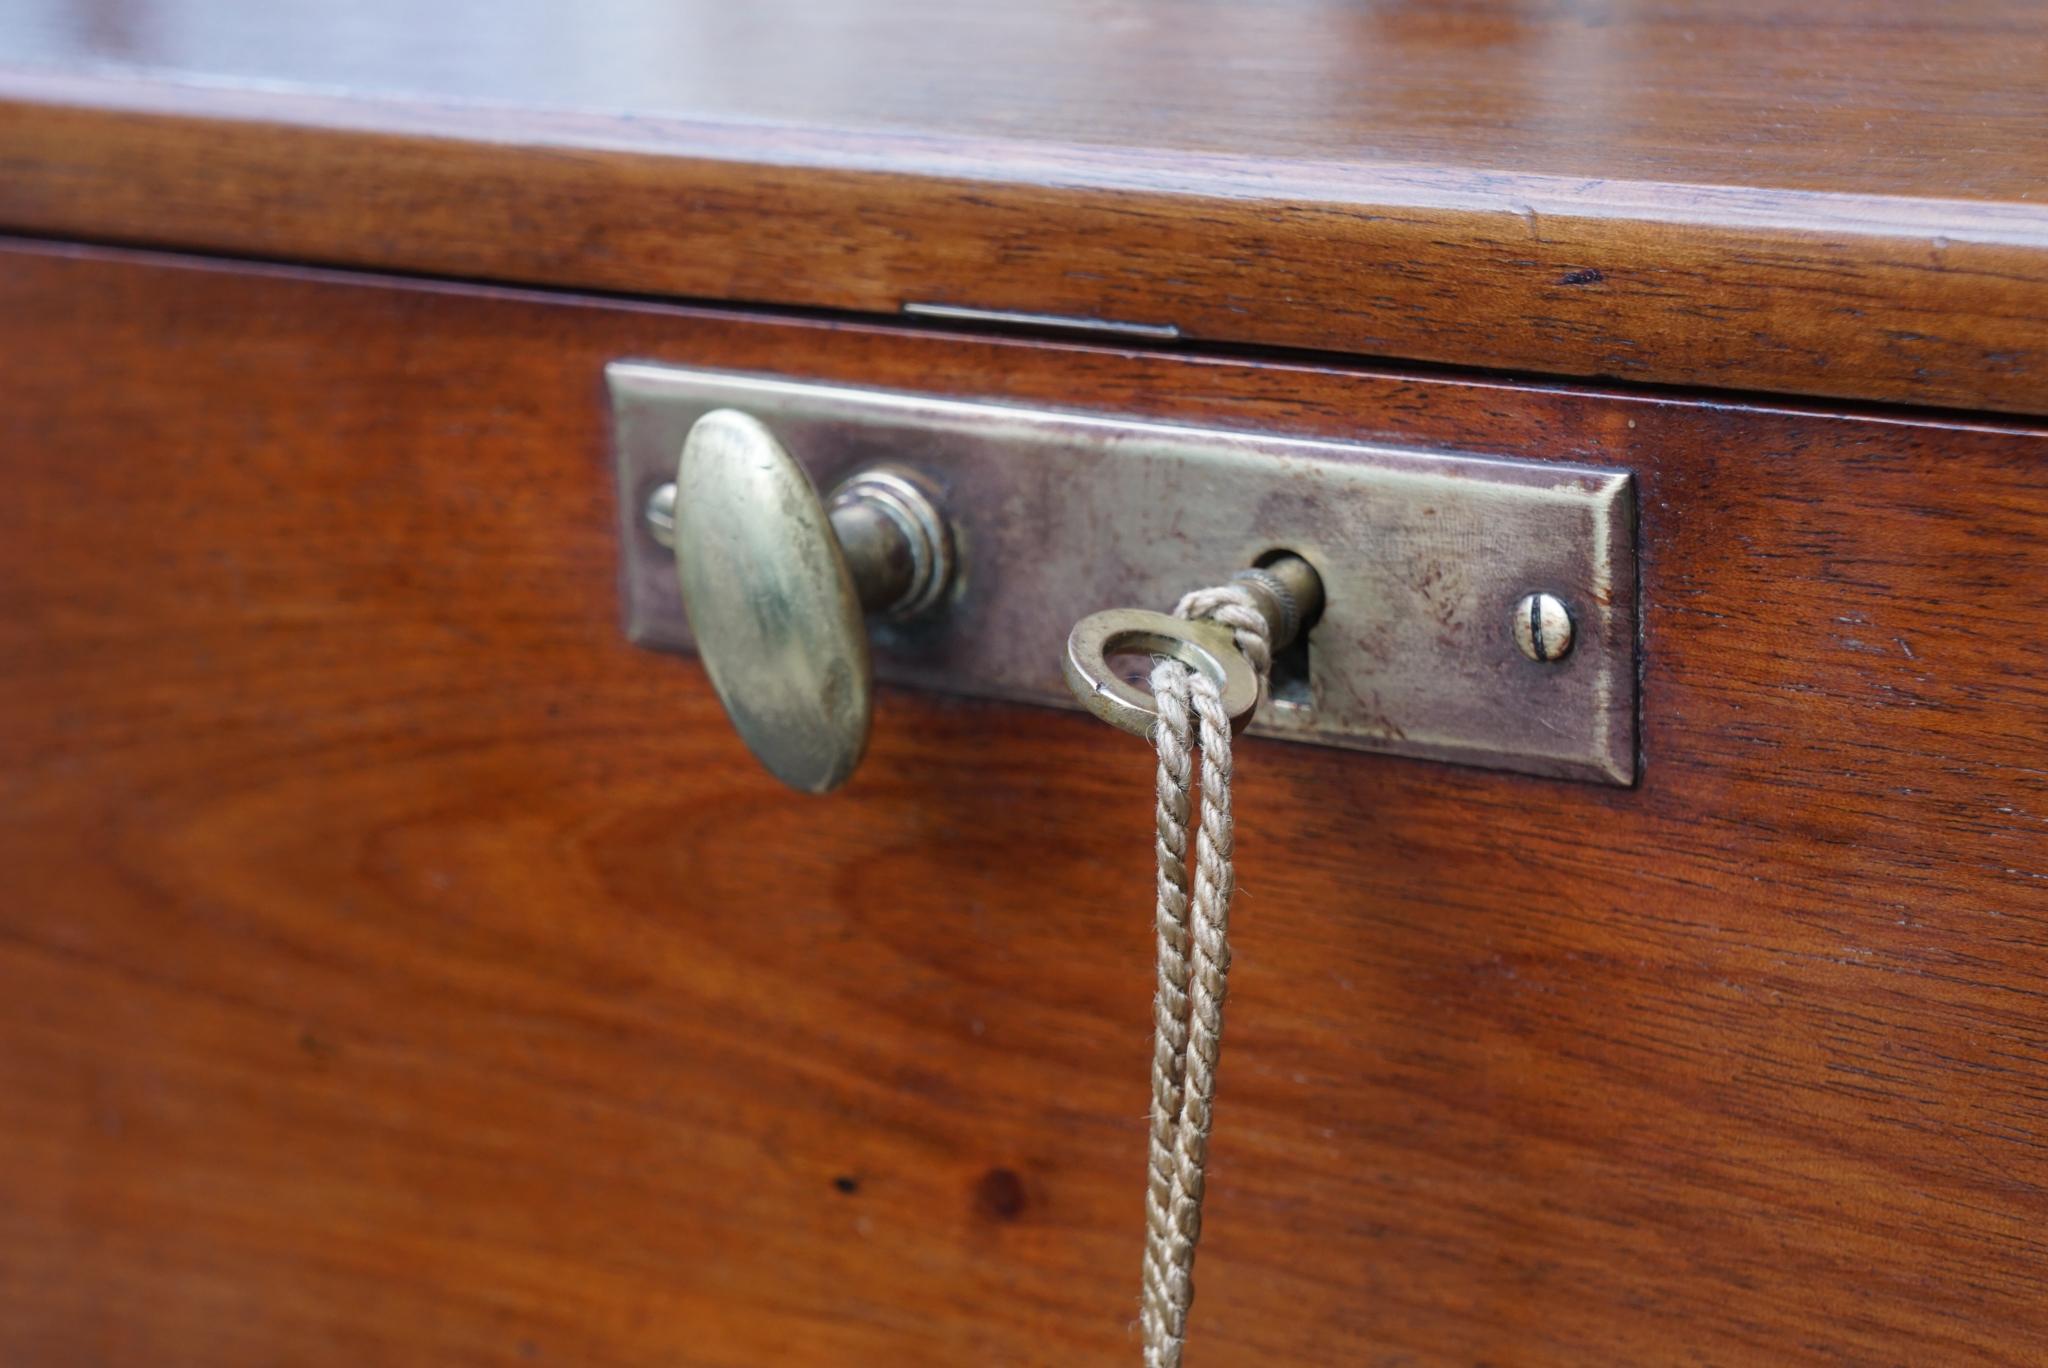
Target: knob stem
[877,554]
[897,544]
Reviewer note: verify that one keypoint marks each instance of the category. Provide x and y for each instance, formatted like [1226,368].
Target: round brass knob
[776,583]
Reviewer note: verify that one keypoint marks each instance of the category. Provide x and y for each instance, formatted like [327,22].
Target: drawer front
[396,965]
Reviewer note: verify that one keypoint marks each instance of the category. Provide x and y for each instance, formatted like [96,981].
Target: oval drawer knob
[777,584]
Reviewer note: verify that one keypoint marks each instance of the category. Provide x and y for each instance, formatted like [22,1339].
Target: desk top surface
[1845,199]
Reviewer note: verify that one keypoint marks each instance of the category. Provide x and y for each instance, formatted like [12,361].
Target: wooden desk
[396,966]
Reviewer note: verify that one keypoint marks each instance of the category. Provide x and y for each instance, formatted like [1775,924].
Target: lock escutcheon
[1423,555]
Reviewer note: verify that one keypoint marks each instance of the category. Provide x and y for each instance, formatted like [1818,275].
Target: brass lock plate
[1445,575]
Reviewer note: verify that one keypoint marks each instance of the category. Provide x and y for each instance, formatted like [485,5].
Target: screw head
[659,514]
[1543,627]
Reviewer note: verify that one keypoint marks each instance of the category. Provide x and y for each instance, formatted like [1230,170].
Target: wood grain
[1838,199]
[396,967]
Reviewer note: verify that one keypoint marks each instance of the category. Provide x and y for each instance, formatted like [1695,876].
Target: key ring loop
[1203,646]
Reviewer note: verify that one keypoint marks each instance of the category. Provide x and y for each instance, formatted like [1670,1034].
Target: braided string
[1192,928]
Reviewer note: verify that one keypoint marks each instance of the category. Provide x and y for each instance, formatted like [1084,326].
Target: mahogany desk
[398,966]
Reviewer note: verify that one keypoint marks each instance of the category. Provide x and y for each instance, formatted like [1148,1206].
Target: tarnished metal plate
[1423,557]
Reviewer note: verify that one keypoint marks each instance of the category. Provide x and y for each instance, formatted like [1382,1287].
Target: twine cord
[1193,926]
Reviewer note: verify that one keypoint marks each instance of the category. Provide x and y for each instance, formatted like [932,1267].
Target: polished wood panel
[1924,105]
[1837,198]
[397,967]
